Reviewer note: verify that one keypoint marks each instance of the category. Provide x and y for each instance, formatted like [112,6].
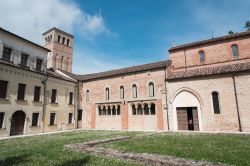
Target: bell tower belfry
[60,44]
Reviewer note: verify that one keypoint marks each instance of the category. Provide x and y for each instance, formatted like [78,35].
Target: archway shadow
[78,162]
[14,160]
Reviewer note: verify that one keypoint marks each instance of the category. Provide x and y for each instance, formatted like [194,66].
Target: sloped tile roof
[230,68]
[212,40]
[133,69]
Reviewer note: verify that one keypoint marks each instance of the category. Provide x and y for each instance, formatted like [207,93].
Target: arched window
[118,110]
[235,50]
[62,63]
[146,109]
[113,110]
[121,92]
[133,110]
[67,65]
[63,40]
[104,111]
[134,91]
[151,89]
[109,110]
[216,102]
[202,56]
[139,110]
[59,39]
[87,95]
[152,109]
[67,42]
[107,93]
[100,110]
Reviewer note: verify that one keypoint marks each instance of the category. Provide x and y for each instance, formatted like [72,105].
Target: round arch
[186,99]
[17,122]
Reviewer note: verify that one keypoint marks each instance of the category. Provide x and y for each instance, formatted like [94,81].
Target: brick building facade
[204,86]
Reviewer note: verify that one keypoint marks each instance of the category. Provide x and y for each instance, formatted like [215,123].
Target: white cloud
[29,18]
[91,61]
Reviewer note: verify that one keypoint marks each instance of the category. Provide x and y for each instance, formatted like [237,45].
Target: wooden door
[182,118]
[195,118]
[17,123]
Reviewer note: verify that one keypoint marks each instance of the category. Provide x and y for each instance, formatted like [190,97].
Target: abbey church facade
[204,86]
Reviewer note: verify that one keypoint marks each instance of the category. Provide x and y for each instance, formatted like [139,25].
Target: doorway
[17,123]
[187,118]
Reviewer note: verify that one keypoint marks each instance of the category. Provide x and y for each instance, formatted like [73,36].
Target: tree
[247,25]
[231,32]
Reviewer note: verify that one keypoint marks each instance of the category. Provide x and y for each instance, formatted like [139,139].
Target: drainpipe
[76,103]
[185,60]
[44,101]
[166,98]
[237,104]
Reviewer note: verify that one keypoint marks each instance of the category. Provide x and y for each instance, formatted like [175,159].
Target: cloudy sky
[111,34]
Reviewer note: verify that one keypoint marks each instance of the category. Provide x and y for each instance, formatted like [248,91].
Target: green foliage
[228,149]
[247,25]
[231,32]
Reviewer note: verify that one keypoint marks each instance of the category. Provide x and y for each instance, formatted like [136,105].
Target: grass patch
[48,150]
[228,149]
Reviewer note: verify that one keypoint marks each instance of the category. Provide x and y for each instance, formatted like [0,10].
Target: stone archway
[17,123]
[187,111]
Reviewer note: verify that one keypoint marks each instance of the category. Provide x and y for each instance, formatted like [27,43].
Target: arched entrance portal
[17,123]
[187,111]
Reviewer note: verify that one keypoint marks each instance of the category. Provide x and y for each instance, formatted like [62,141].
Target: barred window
[21,91]
[35,118]
[6,54]
[52,119]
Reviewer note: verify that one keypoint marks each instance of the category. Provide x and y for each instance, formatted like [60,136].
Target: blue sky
[111,34]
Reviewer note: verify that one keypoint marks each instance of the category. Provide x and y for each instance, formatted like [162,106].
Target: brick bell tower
[61,45]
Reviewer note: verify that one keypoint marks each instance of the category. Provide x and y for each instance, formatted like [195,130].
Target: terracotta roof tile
[211,71]
[198,43]
[133,69]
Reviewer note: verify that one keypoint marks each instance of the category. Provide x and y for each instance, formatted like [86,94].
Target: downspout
[44,101]
[237,104]
[166,98]
[76,103]
[185,60]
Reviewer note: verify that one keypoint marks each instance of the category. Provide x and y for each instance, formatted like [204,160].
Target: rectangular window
[21,91]
[70,118]
[53,96]
[6,54]
[67,42]
[1,119]
[3,89]
[52,119]
[59,39]
[63,40]
[24,60]
[70,98]
[39,64]
[37,92]
[35,118]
